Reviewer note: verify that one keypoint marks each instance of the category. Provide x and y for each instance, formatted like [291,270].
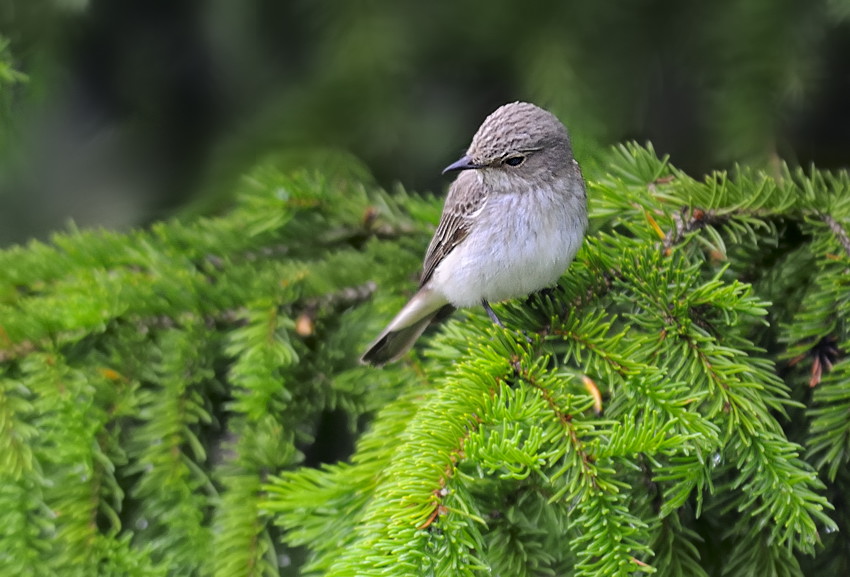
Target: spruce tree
[678,404]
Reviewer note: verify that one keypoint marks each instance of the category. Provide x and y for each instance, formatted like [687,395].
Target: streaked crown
[516,127]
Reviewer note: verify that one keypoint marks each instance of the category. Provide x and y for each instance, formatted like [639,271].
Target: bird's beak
[464,163]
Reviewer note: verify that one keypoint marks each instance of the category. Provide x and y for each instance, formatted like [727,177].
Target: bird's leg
[498,322]
[490,313]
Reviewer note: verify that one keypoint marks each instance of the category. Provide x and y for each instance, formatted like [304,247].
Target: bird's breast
[520,243]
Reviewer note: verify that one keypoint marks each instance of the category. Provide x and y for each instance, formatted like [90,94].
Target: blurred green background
[132,110]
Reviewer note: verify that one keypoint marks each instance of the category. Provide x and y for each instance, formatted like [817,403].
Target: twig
[838,231]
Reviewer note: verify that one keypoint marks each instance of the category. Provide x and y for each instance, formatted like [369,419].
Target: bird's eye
[514,160]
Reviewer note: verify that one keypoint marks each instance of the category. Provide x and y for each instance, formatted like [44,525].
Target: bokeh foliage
[134,107]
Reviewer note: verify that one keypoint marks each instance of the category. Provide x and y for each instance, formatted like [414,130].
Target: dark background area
[136,109]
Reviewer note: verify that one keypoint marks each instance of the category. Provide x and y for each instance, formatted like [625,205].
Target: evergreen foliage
[678,405]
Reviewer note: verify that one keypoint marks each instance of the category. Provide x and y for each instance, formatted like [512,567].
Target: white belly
[516,247]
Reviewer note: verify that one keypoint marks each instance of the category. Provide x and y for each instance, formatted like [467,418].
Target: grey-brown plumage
[512,222]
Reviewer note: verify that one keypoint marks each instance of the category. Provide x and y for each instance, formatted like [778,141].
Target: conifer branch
[839,232]
[690,219]
[584,458]
[161,389]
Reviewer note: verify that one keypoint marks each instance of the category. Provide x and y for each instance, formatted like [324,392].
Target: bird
[512,222]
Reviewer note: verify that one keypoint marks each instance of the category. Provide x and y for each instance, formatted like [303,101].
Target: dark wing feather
[466,197]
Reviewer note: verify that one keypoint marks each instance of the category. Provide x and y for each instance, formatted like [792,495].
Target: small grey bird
[512,222]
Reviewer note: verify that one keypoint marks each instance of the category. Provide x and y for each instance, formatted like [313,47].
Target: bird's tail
[406,327]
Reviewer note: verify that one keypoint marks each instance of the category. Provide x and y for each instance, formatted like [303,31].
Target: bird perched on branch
[513,221]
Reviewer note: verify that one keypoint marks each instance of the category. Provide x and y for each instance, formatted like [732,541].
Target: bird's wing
[465,198]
